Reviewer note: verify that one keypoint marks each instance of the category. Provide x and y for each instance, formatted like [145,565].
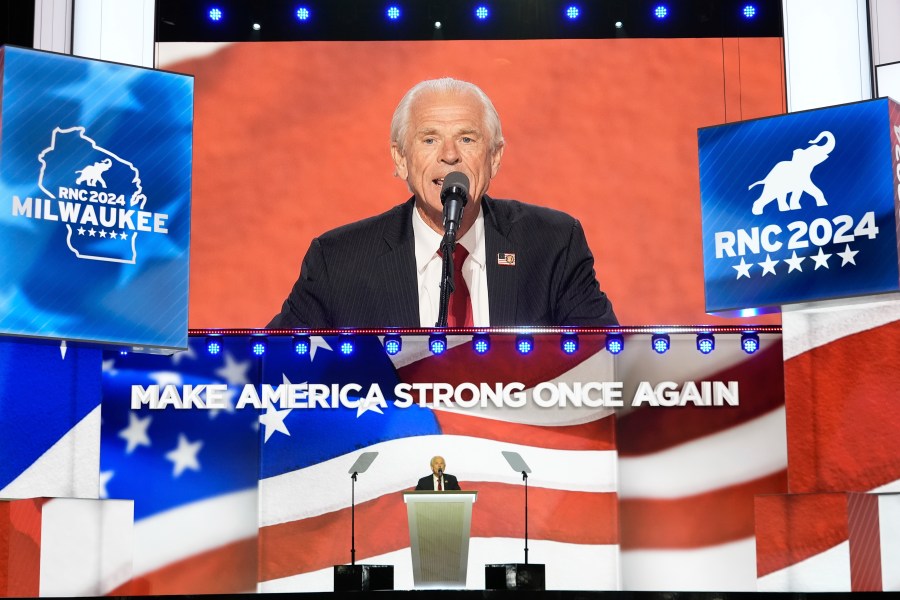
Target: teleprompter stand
[354,577]
[516,576]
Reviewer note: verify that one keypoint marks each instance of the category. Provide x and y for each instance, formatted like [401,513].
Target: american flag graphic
[842,422]
[239,500]
[192,473]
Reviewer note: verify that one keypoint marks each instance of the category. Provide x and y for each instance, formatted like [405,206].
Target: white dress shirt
[428,268]
[434,480]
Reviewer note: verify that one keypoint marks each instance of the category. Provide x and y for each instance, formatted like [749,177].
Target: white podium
[439,526]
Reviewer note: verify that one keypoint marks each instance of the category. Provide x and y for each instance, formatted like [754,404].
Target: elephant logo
[793,177]
[92,174]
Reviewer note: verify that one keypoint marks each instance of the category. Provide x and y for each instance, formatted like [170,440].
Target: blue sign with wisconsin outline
[799,208]
[95,190]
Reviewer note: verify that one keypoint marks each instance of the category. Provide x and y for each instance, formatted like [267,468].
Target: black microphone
[454,195]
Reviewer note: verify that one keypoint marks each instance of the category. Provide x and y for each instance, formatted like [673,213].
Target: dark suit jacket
[427,483]
[364,274]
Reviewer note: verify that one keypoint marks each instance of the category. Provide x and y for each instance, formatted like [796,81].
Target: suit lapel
[501,279]
[397,272]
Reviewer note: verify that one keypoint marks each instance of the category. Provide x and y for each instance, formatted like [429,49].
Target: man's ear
[495,159]
[400,169]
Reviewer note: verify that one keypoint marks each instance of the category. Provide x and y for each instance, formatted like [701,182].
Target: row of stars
[794,262]
[93,233]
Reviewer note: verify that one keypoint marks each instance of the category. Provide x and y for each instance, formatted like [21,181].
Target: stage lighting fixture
[392,344]
[393,12]
[750,342]
[258,346]
[437,343]
[661,11]
[481,343]
[660,342]
[572,12]
[256,27]
[123,352]
[615,343]
[215,14]
[569,343]
[749,11]
[482,13]
[706,343]
[214,345]
[302,13]
[346,345]
[619,25]
[301,344]
[524,344]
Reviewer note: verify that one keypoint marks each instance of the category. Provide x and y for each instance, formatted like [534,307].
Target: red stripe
[791,528]
[504,364]
[381,526]
[595,435]
[716,517]
[229,569]
[865,543]
[648,429]
[20,547]
[843,415]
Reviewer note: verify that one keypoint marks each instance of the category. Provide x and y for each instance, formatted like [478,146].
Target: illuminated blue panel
[393,12]
[215,14]
[750,342]
[660,343]
[661,11]
[437,343]
[524,344]
[615,343]
[572,12]
[749,11]
[301,345]
[302,13]
[481,343]
[482,13]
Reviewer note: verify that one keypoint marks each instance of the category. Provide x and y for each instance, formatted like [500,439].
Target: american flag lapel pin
[506,259]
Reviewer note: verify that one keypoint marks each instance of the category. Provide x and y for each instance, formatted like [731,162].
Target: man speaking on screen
[438,481]
[514,263]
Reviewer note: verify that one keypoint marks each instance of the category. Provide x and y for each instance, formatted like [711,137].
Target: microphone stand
[448,245]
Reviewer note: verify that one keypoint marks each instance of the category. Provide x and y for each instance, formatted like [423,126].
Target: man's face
[438,464]
[446,133]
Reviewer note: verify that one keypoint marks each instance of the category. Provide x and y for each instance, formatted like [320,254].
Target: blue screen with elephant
[799,208]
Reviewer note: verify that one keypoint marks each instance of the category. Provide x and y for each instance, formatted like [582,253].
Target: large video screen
[292,139]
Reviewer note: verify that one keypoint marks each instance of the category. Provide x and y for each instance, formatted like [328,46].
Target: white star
[178,356]
[113,235]
[794,262]
[317,342]
[103,233]
[185,455]
[821,259]
[273,420]
[109,367]
[743,269]
[105,476]
[229,404]
[136,432]
[847,255]
[365,404]
[164,378]
[768,265]
[81,231]
[123,235]
[234,372]
[91,232]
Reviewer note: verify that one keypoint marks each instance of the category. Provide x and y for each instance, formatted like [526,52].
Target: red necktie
[440,484]
[459,313]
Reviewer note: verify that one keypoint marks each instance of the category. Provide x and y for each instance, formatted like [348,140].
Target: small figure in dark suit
[438,480]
